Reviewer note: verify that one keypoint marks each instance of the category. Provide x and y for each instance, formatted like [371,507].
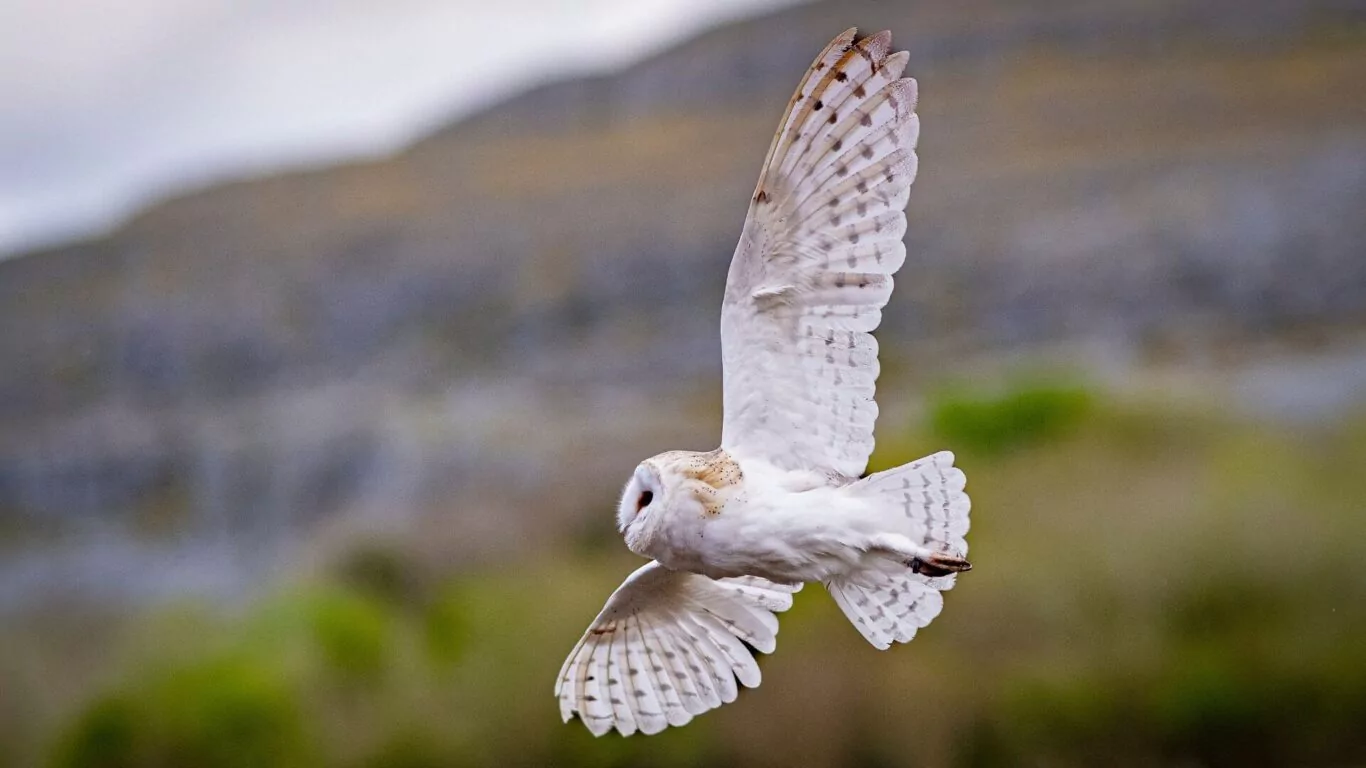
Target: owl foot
[938,564]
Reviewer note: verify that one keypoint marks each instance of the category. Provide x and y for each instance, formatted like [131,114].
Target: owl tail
[926,508]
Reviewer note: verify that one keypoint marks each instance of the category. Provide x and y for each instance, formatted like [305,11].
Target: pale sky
[107,105]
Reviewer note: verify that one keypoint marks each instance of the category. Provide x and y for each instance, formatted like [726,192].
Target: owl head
[676,484]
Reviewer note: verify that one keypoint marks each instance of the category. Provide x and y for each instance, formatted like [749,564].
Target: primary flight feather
[734,532]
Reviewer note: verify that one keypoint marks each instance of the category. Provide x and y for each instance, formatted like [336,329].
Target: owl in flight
[734,532]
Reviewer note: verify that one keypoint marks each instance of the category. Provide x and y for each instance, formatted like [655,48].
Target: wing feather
[669,645]
[616,683]
[814,265]
[595,712]
[643,685]
[735,653]
[678,678]
[674,710]
[700,672]
[714,660]
[887,607]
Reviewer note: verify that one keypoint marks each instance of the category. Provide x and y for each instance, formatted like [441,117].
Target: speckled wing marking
[668,646]
[814,265]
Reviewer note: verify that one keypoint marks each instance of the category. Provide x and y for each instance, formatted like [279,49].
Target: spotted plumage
[734,532]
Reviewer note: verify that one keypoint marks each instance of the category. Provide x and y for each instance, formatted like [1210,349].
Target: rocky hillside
[444,332]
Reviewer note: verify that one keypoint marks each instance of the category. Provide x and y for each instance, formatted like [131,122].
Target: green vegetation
[1153,587]
[216,713]
[1018,417]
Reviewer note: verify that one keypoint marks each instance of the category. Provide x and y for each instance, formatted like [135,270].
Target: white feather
[813,268]
[667,646]
[735,532]
[888,607]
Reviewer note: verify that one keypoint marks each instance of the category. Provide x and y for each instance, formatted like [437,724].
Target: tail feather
[930,507]
[929,497]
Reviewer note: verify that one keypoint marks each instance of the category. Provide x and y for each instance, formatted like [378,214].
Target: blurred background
[329,332]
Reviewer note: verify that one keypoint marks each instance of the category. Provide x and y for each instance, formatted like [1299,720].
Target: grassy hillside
[1154,586]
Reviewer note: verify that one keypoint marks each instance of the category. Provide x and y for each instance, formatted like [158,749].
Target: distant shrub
[447,626]
[1233,678]
[352,631]
[381,571]
[415,749]
[220,713]
[1025,415]
[105,735]
[1209,707]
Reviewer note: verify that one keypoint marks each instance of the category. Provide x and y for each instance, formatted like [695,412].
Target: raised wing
[667,646]
[814,265]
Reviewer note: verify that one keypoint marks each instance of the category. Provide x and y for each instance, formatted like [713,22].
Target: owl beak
[623,525]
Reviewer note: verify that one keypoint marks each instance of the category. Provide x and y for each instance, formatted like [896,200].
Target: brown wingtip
[875,47]
[883,37]
[843,41]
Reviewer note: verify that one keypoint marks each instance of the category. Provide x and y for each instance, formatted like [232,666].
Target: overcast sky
[106,105]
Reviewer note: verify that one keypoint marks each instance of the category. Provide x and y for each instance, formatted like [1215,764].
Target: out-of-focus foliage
[216,712]
[987,423]
[1154,586]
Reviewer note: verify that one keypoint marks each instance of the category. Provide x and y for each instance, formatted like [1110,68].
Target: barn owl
[734,532]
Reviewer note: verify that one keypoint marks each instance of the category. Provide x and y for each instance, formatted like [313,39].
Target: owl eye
[644,501]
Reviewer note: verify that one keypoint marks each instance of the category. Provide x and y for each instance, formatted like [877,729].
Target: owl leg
[919,559]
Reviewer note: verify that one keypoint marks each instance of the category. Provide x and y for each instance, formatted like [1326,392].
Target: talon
[939,564]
